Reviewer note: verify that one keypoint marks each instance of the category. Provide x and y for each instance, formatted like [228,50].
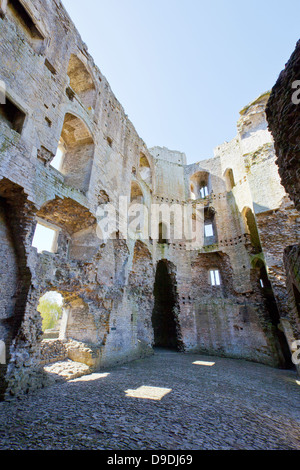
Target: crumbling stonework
[283,119]
[122,295]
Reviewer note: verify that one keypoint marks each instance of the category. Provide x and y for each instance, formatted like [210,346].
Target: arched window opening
[200,185]
[81,82]
[136,195]
[75,154]
[145,170]
[251,229]
[136,214]
[229,179]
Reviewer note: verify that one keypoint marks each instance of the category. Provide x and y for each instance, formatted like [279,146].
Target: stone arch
[250,226]
[166,311]
[82,82]
[136,214]
[66,214]
[229,179]
[200,185]
[145,170]
[74,158]
[136,193]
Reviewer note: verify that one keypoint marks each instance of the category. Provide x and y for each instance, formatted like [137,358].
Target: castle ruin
[233,296]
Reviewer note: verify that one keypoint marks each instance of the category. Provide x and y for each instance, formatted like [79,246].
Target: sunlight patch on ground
[148,393]
[90,378]
[203,363]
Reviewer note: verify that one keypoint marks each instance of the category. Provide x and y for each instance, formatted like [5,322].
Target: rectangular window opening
[215,278]
[209,230]
[50,67]
[12,115]
[45,239]
[204,192]
[21,14]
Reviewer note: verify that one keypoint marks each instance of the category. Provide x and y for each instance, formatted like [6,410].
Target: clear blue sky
[183,69]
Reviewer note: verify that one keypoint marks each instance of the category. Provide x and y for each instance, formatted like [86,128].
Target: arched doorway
[166,308]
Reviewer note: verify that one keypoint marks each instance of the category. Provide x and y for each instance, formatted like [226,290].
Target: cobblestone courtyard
[167,402]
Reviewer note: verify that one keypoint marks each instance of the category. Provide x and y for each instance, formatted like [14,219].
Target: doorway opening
[166,308]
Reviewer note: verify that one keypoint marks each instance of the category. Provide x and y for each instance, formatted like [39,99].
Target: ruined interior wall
[283,122]
[276,217]
[94,274]
[107,285]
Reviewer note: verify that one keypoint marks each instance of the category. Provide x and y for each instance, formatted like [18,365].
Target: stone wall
[282,113]
[283,119]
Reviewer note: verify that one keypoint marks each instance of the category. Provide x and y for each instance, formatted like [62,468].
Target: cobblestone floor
[229,405]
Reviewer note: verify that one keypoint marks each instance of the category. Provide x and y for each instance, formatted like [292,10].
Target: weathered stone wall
[283,119]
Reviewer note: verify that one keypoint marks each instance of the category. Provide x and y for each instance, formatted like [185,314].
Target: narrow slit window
[215,278]
[45,239]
